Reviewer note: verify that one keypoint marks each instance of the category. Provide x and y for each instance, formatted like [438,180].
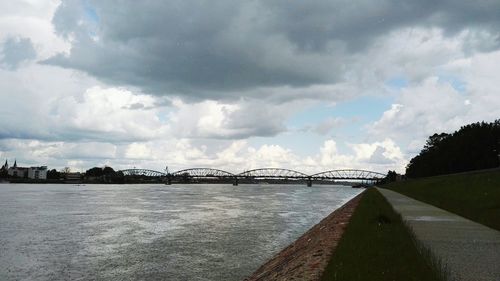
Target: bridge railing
[142,172]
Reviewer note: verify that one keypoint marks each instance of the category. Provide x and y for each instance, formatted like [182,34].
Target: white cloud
[434,106]
[330,156]
[422,110]
[181,153]
[385,152]
[138,151]
[220,120]
[43,102]
[32,19]
[109,112]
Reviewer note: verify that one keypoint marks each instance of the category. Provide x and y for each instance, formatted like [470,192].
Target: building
[73,177]
[17,172]
[38,173]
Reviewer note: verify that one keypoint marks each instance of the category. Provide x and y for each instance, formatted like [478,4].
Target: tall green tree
[474,146]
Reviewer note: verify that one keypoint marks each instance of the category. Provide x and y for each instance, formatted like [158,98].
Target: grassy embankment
[474,195]
[377,245]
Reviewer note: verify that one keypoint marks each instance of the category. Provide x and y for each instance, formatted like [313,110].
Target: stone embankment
[308,256]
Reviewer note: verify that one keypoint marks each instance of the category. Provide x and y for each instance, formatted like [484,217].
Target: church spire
[15,163]
[6,165]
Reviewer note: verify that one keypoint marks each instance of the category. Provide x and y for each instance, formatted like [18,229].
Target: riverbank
[378,245]
[307,257]
[363,240]
[473,195]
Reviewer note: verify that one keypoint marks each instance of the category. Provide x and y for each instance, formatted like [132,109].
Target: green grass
[475,196]
[377,245]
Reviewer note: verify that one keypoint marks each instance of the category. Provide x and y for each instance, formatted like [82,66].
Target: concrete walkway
[470,251]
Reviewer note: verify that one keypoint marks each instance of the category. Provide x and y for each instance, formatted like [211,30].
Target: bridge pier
[169,180]
[235,181]
[309,182]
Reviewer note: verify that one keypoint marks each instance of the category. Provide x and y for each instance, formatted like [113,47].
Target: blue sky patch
[90,13]
[458,84]
[397,82]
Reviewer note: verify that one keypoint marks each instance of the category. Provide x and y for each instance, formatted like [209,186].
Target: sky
[235,85]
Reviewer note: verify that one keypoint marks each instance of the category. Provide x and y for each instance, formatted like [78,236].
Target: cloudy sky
[310,85]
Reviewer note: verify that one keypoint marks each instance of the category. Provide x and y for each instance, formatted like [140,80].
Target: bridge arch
[349,174]
[203,172]
[142,172]
[272,173]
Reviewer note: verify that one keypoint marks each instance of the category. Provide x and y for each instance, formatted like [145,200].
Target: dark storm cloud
[214,49]
[15,51]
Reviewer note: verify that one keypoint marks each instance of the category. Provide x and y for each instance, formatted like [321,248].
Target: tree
[391,176]
[474,146]
[53,174]
[108,170]
[99,172]
[94,172]
[66,170]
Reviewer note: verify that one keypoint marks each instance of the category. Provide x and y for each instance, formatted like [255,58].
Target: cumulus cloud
[220,120]
[53,104]
[32,20]
[182,153]
[109,113]
[376,156]
[437,105]
[49,104]
[421,111]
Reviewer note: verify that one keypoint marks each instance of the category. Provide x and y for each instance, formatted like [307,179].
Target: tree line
[96,172]
[473,147]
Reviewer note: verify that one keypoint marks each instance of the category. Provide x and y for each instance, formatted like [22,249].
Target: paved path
[471,251]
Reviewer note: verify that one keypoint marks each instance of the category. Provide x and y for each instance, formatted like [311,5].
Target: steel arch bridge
[348,174]
[203,173]
[273,173]
[261,173]
[142,172]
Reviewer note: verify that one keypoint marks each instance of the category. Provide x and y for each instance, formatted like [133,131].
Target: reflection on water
[153,232]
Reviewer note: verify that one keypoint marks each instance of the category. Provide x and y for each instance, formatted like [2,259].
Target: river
[153,232]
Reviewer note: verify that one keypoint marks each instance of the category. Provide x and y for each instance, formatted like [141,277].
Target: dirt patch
[307,257]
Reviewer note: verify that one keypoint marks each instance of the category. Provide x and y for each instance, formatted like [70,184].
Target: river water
[153,232]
